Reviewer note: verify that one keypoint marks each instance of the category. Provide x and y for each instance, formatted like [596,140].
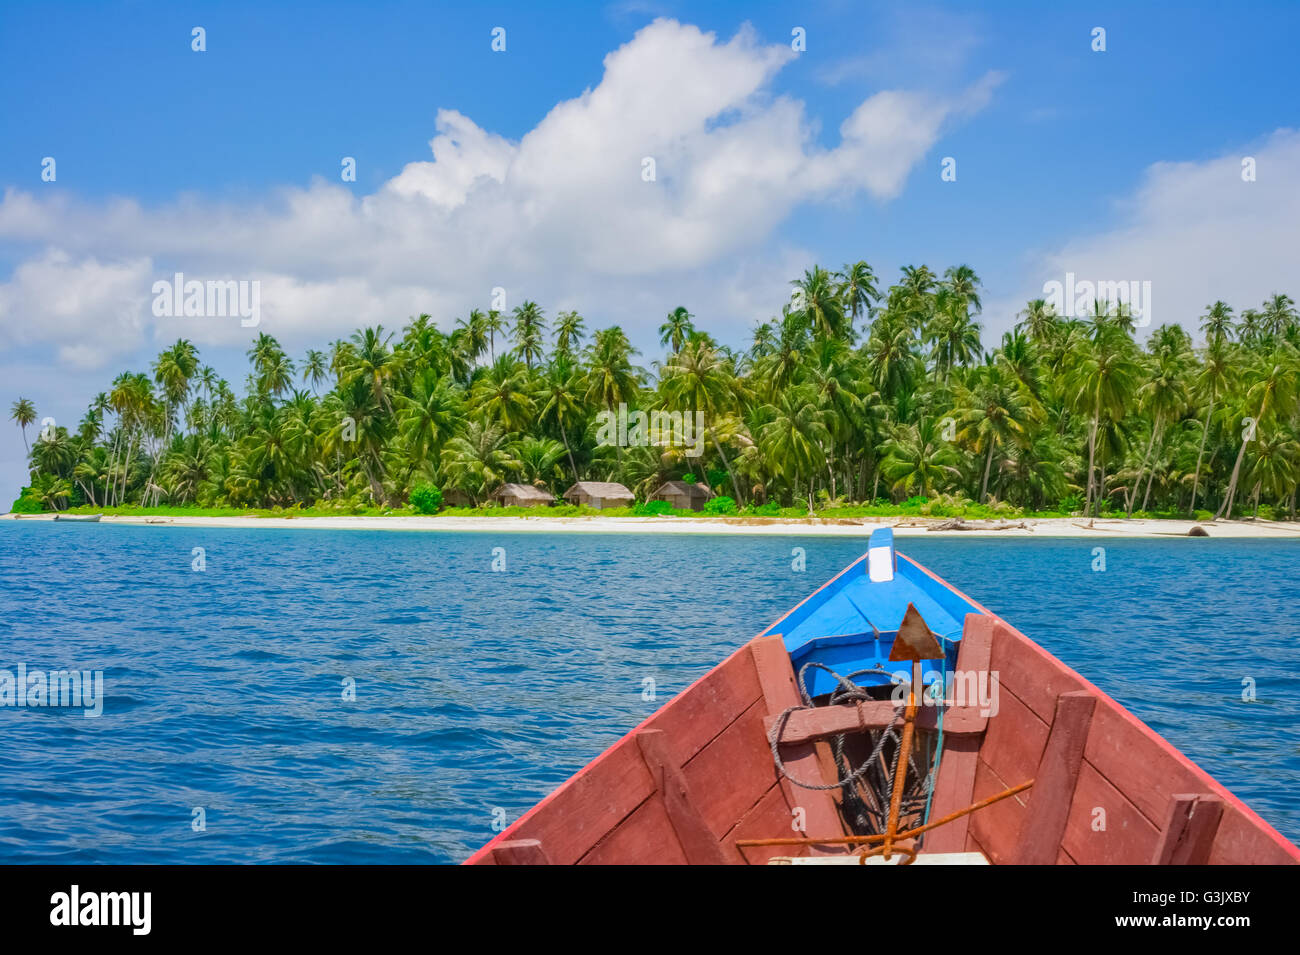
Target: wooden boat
[1013,758]
[82,518]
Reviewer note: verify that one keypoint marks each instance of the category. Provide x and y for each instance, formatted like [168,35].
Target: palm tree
[698,380]
[569,332]
[50,491]
[529,328]
[1165,396]
[1274,393]
[24,413]
[893,363]
[794,436]
[823,308]
[495,324]
[315,367]
[956,338]
[503,395]
[963,284]
[1274,466]
[1278,314]
[479,459]
[611,377]
[857,289]
[1039,321]
[1210,385]
[995,412]
[1216,324]
[537,459]
[558,397]
[917,459]
[1103,379]
[474,334]
[373,362]
[429,415]
[676,329]
[272,368]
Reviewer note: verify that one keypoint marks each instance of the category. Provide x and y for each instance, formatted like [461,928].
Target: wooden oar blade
[915,641]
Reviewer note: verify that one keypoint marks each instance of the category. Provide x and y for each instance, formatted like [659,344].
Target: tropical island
[852,402]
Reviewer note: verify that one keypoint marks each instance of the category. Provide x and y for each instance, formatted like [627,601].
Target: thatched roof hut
[686,497]
[455,497]
[522,495]
[599,494]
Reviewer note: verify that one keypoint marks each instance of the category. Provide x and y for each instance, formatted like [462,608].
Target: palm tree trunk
[1150,481]
[1226,506]
[734,485]
[1132,495]
[565,438]
[1191,511]
[126,464]
[1092,454]
[988,463]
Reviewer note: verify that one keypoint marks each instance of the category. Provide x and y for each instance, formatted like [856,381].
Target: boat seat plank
[827,721]
[777,680]
[519,852]
[698,842]
[1050,799]
[954,788]
[1189,831]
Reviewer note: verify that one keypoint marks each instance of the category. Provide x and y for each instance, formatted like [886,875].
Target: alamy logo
[83,688]
[1075,299]
[75,907]
[177,298]
[662,429]
[973,688]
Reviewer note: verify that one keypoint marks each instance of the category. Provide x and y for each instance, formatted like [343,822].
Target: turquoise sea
[379,696]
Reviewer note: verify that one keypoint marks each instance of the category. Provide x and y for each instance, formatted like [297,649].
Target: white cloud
[1196,231]
[87,307]
[561,216]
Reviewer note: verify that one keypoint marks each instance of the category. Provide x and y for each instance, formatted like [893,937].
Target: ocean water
[357,696]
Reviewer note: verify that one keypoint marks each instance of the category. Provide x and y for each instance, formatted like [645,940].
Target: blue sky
[1111,163]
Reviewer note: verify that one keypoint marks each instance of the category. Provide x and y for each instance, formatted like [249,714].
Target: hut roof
[605,490]
[681,487]
[524,491]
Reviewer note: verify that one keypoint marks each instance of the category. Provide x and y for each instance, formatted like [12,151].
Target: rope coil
[864,800]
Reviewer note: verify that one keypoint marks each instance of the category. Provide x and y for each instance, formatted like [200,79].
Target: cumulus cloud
[563,215]
[1197,232]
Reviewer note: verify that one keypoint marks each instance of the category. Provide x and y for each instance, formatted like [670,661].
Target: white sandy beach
[842,527]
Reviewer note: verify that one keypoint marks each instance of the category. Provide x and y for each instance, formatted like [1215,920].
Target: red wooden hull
[698,775]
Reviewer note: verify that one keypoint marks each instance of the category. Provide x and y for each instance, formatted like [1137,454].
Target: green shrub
[426,498]
[689,477]
[26,504]
[652,509]
[770,509]
[720,505]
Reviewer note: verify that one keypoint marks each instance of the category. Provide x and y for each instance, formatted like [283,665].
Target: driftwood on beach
[958,524]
